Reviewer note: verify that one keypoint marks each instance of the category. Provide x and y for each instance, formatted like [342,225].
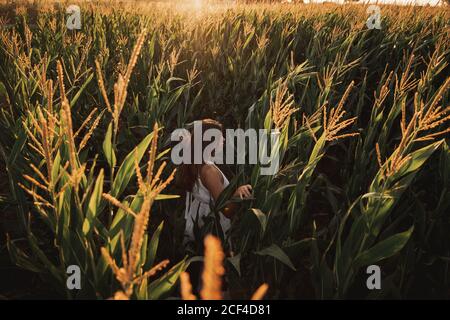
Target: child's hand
[244,191]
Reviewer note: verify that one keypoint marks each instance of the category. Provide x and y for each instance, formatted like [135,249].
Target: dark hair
[188,173]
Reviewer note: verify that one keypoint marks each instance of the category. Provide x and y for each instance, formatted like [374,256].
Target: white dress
[198,206]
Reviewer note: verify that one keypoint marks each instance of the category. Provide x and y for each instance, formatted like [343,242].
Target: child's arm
[212,179]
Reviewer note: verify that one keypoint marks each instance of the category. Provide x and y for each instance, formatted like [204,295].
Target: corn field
[86,177]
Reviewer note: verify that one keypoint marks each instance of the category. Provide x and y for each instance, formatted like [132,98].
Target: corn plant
[364,157]
[67,192]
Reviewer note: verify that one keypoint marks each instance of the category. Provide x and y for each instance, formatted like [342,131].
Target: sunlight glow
[198,4]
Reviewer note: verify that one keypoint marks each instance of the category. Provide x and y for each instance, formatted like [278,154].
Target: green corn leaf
[108,148]
[277,253]
[153,247]
[123,222]
[384,249]
[3,91]
[162,287]
[17,147]
[262,218]
[78,94]
[418,158]
[126,170]
[142,292]
[166,196]
[94,203]
[56,273]
[236,263]
[56,167]
[21,259]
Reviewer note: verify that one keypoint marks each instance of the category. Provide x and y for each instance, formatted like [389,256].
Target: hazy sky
[420,2]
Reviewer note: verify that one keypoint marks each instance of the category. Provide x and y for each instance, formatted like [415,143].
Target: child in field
[204,182]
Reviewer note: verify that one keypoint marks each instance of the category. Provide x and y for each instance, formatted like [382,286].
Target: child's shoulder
[209,170]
